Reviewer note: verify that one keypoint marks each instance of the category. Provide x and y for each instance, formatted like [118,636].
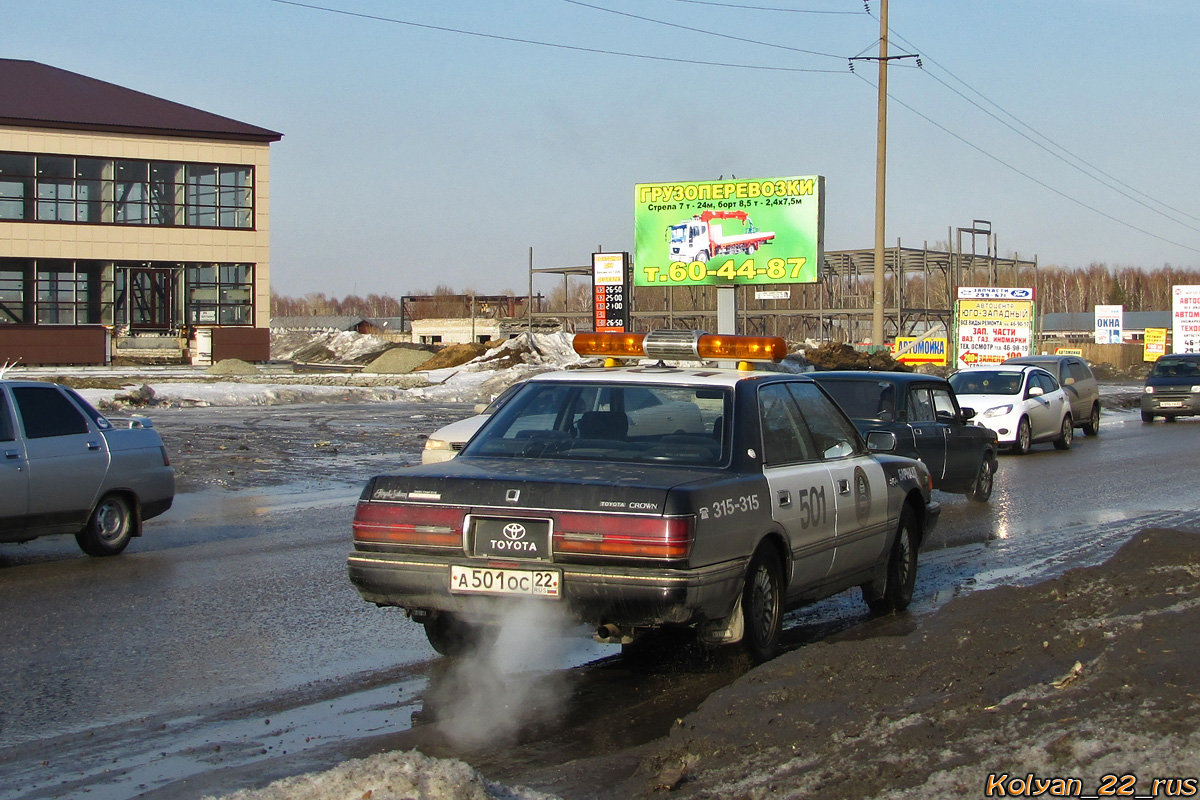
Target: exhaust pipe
[607,632]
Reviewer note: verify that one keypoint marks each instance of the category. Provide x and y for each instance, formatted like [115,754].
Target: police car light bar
[681,346]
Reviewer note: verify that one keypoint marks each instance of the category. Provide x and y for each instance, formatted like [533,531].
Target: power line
[1077,158]
[1026,175]
[555,45]
[768,8]
[701,30]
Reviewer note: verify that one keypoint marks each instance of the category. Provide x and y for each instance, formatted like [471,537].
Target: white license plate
[489,580]
[1171,404]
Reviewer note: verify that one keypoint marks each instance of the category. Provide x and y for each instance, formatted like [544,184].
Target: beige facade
[143,243]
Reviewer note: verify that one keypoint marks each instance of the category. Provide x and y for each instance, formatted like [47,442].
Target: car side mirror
[881,441]
[1068,382]
[1035,391]
[968,414]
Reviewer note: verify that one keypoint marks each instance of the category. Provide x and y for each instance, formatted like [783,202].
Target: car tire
[1092,426]
[1168,417]
[985,479]
[901,570]
[452,637]
[703,257]
[762,605]
[1147,417]
[112,524]
[1066,435]
[1024,440]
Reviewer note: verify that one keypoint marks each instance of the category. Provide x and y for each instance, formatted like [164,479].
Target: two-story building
[127,222]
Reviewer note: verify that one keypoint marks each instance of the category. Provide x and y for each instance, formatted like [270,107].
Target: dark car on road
[1172,388]
[923,412]
[1078,384]
[648,496]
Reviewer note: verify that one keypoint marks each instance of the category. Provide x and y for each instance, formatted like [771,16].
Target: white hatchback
[1022,404]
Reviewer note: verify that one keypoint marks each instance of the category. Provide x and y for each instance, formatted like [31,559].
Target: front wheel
[703,257]
[1147,417]
[981,491]
[901,570]
[1092,426]
[1066,435]
[1024,438]
[110,527]
[762,605]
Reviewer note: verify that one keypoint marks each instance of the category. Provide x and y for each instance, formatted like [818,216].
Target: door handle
[93,445]
[843,486]
[785,499]
[12,453]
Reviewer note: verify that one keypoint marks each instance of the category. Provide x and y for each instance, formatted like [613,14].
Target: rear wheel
[1024,438]
[1066,435]
[981,491]
[110,527]
[762,604]
[901,570]
[451,636]
[1092,426]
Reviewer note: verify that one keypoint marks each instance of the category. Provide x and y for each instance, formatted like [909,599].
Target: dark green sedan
[923,412]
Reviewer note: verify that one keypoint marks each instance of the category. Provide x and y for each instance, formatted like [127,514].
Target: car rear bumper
[624,596]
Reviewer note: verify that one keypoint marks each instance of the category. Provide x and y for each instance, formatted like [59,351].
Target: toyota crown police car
[638,497]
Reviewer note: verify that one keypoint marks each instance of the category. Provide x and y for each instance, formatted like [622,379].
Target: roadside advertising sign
[610,298]
[1068,351]
[1109,324]
[758,231]
[1155,344]
[920,351]
[1185,319]
[992,324]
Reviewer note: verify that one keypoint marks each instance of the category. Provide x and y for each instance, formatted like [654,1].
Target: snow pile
[514,360]
[343,347]
[391,776]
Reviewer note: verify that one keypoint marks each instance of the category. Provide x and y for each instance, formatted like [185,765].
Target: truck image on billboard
[759,231]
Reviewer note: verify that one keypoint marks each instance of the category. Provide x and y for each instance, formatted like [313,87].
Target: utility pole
[880,167]
[880,177]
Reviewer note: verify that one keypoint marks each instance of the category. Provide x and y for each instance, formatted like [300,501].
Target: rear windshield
[1167,367]
[864,399]
[986,381]
[651,424]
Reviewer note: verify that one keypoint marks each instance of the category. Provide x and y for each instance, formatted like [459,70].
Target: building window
[12,296]
[65,293]
[220,294]
[125,192]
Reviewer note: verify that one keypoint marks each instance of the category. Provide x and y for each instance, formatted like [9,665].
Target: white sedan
[444,443]
[1022,404]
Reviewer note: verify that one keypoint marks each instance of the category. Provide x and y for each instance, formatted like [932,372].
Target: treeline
[1058,289]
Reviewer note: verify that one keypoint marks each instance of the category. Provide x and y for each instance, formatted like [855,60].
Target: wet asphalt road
[226,647]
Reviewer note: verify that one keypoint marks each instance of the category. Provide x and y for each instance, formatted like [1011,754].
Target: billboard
[1185,319]
[1109,323]
[758,231]
[610,300]
[992,324]
[911,350]
[1155,345]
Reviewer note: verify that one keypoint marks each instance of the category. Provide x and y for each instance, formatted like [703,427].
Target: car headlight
[1148,390]
[1195,389]
[998,411]
[437,444]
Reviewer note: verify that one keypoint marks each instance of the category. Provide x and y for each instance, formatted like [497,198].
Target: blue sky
[414,157]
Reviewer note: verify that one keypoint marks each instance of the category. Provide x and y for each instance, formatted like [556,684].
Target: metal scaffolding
[920,286]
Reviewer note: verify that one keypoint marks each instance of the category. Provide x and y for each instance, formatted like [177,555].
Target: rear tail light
[624,535]
[399,523]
